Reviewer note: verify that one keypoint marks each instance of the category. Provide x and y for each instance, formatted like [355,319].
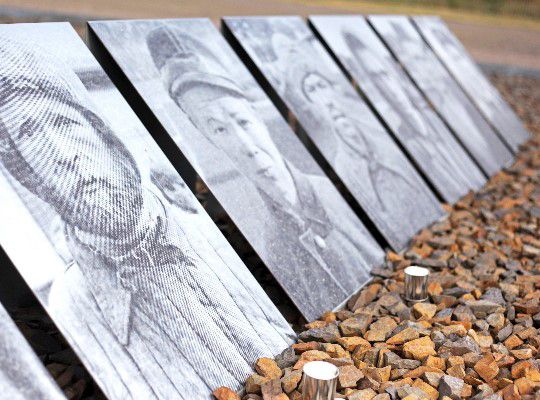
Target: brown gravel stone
[352,342]
[405,335]
[429,390]
[272,390]
[436,362]
[365,297]
[364,394]
[451,387]
[424,310]
[379,330]
[268,368]
[254,383]
[432,378]
[378,374]
[290,380]
[349,376]
[224,393]
[419,349]
[487,368]
[356,325]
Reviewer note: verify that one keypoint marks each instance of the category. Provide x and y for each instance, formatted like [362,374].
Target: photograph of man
[355,144]
[471,79]
[400,105]
[443,92]
[22,375]
[148,303]
[310,238]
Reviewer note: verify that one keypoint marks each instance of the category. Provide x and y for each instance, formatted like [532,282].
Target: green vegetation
[523,8]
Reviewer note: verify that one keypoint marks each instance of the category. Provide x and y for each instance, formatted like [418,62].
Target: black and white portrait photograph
[247,155]
[443,92]
[399,103]
[22,374]
[120,253]
[349,136]
[471,79]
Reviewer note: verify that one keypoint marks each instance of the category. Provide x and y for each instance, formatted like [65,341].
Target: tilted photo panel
[22,374]
[440,88]
[193,83]
[471,79]
[398,102]
[333,115]
[134,273]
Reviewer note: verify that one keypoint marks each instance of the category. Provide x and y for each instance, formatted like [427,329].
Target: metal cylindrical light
[416,279]
[319,381]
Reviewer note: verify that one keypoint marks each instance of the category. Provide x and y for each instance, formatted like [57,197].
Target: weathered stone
[287,358]
[451,387]
[487,368]
[335,350]
[290,380]
[349,376]
[340,362]
[365,297]
[463,313]
[404,336]
[482,308]
[504,333]
[272,390]
[364,394]
[512,342]
[429,390]
[522,354]
[254,383]
[302,347]
[392,359]
[379,330]
[460,346]
[418,372]
[355,326]
[224,393]
[424,310]
[350,343]
[433,378]
[436,362]
[496,320]
[328,334]
[310,355]
[378,374]
[510,392]
[268,368]
[456,329]
[494,295]
[419,349]
[457,371]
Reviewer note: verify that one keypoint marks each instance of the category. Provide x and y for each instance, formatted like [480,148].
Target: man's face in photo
[92,185]
[231,125]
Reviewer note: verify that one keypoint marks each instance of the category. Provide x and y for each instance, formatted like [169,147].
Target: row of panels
[123,257]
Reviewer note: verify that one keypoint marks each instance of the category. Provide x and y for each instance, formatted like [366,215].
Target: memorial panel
[120,253]
[354,143]
[398,102]
[443,92]
[471,79]
[200,92]
[22,375]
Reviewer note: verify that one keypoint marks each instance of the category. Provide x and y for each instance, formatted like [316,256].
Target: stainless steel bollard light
[320,381]
[416,279]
